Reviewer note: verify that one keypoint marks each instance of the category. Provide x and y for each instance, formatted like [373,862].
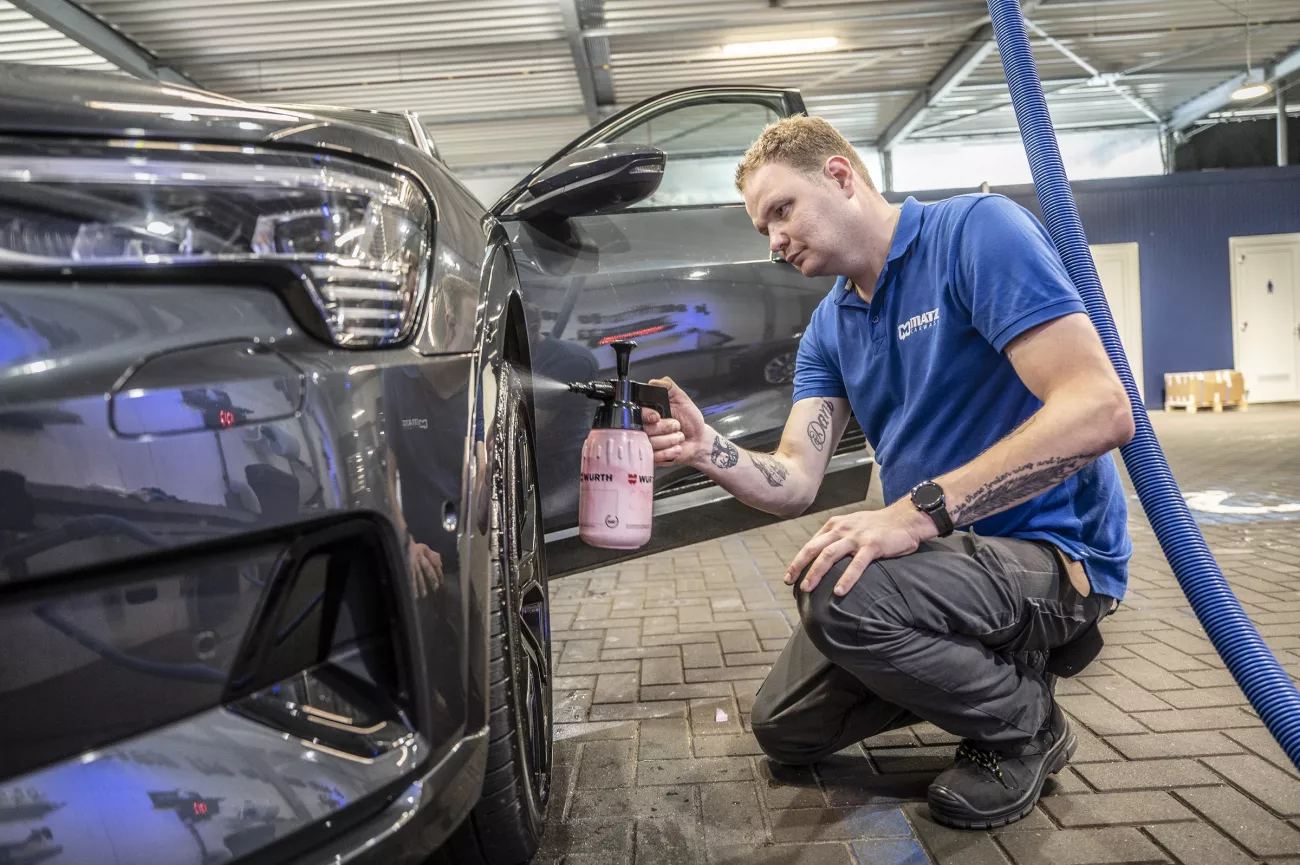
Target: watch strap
[942,520]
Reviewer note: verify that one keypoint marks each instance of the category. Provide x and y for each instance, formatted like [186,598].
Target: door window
[704,142]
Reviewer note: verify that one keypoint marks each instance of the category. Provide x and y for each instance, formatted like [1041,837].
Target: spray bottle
[616,493]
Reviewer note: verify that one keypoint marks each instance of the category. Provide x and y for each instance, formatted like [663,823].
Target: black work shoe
[986,787]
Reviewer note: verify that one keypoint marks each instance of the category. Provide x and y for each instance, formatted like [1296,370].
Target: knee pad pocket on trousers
[824,620]
[829,625]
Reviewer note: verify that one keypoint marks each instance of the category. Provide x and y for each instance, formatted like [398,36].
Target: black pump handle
[623,355]
[652,396]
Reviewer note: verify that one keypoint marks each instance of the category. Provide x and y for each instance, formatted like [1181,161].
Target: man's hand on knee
[866,536]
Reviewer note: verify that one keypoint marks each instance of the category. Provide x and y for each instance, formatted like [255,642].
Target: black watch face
[928,496]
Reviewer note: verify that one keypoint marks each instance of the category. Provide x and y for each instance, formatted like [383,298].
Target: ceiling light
[784,46]
[1253,87]
[1251,91]
[1255,84]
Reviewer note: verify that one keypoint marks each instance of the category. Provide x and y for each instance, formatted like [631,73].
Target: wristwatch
[929,499]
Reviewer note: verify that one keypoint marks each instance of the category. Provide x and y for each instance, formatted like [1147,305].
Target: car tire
[506,825]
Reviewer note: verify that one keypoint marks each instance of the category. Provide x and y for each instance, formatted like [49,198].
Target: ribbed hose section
[1269,689]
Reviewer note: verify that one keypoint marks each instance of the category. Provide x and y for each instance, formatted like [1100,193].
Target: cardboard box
[1207,389]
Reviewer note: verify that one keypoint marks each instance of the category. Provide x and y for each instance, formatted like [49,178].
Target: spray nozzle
[623,399]
[601,390]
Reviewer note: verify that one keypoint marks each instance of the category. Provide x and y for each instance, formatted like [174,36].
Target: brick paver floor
[658,660]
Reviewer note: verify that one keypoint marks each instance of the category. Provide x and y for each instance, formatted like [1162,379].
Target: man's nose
[777,242]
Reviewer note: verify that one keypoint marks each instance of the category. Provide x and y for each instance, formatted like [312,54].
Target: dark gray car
[273,582]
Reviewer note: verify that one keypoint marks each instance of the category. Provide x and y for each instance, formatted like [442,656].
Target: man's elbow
[794,506]
[793,509]
[1119,411]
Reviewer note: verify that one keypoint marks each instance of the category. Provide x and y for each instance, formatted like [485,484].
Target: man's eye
[783,210]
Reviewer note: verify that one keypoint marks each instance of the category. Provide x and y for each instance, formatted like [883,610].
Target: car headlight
[359,235]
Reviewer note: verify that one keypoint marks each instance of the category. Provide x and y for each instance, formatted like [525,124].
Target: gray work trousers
[957,633]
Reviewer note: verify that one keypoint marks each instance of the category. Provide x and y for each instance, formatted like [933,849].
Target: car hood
[49,100]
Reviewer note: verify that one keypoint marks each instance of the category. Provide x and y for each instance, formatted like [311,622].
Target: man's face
[804,217]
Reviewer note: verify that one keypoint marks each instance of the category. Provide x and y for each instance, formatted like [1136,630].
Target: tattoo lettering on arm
[819,428]
[724,454]
[771,469]
[1022,482]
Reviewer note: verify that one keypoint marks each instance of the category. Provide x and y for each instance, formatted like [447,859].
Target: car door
[685,275]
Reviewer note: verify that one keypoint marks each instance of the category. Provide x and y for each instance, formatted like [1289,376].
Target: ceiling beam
[1212,100]
[958,68]
[1013,131]
[1108,80]
[81,26]
[1054,86]
[582,66]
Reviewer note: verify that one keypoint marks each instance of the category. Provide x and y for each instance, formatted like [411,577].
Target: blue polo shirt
[922,366]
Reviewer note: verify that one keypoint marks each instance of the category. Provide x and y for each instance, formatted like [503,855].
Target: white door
[1266,315]
[1117,268]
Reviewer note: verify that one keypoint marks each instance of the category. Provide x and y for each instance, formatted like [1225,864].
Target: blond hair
[803,143]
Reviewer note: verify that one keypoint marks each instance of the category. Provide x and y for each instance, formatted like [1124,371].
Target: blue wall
[1181,223]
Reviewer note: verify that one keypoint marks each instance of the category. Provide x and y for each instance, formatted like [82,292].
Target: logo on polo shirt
[916,323]
[415,423]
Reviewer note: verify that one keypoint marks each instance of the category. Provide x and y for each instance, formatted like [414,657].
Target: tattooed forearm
[1011,487]
[724,454]
[771,469]
[820,426]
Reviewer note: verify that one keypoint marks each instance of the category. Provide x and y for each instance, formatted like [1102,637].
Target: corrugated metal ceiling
[23,39]
[497,81]
[504,142]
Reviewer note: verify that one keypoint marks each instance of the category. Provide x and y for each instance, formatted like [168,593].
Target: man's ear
[840,172]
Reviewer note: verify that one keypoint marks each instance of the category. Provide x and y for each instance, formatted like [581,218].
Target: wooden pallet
[1216,406]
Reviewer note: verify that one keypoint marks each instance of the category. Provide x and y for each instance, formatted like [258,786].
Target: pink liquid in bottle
[616,492]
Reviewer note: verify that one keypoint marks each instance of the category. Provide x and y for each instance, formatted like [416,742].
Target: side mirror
[603,178]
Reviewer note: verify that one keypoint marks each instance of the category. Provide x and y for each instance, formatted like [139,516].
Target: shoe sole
[1020,810]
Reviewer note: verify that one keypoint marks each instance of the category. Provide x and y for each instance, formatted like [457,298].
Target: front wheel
[505,827]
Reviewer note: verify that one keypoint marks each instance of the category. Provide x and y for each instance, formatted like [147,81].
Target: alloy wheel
[532,617]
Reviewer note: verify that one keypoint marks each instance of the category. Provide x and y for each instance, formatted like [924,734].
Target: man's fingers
[853,572]
[809,552]
[668,457]
[660,426]
[663,442]
[828,526]
[831,554]
[426,569]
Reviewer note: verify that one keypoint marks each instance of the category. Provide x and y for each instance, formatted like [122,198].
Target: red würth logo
[631,479]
